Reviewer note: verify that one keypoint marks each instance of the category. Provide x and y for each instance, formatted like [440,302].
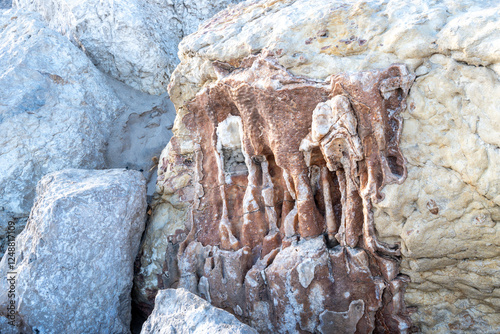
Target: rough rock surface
[134,41]
[292,163]
[74,260]
[59,111]
[446,213]
[55,112]
[141,131]
[180,311]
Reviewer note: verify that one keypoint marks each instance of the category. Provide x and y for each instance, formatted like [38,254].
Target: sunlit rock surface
[74,260]
[134,41]
[56,109]
[445,214]
[180,311]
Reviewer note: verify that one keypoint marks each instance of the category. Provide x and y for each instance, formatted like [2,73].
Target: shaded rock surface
[134,41]
[180,311]
[5,4]
[139,134]
[74,260]
[446,213]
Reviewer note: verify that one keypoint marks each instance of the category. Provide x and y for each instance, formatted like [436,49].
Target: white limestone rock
[446,215]
[74,261]
[58,111]
[55,111]
[134,41]
[448,210]
[180,311]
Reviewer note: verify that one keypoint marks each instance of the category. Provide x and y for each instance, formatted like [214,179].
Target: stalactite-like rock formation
[281,228]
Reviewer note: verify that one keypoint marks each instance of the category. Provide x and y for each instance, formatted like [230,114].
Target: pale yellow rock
[450,139]
[446,214]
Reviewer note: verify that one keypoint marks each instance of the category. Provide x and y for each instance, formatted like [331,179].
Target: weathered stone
[449,207]
[446,213]
[55,113]
[74,261]
[180,311]
[134,41]
[59,111]
[241,212]
[140,132]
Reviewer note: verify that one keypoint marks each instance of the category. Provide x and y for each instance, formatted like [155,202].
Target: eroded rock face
[446,214]
[74,260]
[285,169]
[134,41]
[180,311]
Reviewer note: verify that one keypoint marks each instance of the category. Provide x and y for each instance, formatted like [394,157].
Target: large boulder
[134,41]
[73,264]
[446,213]
[180,311]
[59,111]
[56,109]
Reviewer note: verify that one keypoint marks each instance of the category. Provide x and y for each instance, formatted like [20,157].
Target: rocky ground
[144,151]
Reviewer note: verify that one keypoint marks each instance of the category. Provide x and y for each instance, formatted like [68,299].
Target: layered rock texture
[134,41]
[74,261]
[293,164]
[269,199]
[180,311]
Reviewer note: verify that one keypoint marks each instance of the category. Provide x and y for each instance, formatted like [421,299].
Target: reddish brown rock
[286,171]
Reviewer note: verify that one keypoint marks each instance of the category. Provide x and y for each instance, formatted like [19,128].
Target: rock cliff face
[254,192]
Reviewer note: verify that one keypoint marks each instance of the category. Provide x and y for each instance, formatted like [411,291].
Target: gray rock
[5,4]
[59,111]
[55,111]
[182,312]
[74,260]
[9,225]
[134,41]
[140,132]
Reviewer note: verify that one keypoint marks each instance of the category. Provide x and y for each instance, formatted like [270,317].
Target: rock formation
[282,161]
[445,214]
[74,261]
[280,197]
[180,311]
[57,110]
[134,41]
